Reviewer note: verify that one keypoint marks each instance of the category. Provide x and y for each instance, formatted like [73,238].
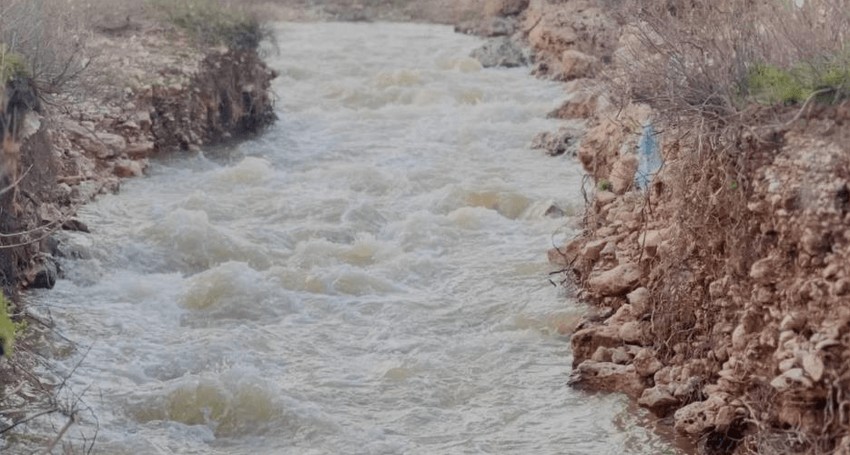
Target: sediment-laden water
[367,277]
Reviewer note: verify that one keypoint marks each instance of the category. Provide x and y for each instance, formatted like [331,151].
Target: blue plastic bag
[649,158]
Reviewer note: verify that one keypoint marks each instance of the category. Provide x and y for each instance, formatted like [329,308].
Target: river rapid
[369,276]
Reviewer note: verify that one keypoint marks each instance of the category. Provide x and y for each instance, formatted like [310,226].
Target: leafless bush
[692,58]
[48,35]
[695,63]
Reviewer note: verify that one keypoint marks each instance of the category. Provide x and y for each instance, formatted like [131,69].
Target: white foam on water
[368,276]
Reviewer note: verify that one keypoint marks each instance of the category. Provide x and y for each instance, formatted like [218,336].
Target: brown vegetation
[721,291]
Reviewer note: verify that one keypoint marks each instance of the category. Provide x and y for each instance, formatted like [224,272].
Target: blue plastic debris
[649,158]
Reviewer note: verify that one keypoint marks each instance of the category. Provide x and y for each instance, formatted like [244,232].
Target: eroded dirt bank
[160,93]
[719,284]
[153,91]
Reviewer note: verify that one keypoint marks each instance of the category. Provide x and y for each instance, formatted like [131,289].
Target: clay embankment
[720,292]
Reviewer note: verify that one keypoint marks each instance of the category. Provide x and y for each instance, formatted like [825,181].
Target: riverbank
[150,88]
[719,299]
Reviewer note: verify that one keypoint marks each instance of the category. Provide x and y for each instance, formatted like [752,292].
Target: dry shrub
[693,62]
[47,36]
[698,65]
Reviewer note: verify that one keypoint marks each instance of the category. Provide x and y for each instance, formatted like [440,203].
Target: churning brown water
[368,277]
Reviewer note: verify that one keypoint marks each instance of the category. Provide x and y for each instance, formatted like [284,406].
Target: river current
[368,276]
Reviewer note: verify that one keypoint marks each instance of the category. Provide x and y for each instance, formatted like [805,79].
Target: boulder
[73,224]
[138,150]
[609,377]
[587,341]
[634,332]
[555,212]
[646,364]
[620,356]
[112,145]
[504,51]
[699,417]
[128,168]
[602,354]
[563,141]
[43,274]
[792,378]
[658,400]
[617,281]
[577,106]
[591,250]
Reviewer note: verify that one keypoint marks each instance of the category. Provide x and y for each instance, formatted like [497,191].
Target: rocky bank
[719,291]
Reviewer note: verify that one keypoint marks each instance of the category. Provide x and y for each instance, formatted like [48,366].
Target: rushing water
[367,277]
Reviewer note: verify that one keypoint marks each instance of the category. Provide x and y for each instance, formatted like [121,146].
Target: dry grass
[50,36]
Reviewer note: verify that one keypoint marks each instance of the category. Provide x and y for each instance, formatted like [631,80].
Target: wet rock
[501,52]
[617,281]
[556,144]
[555,212]
[44,274]
[73,224]
[50,246]
[587,341]
[658,400]
[128,168]
[607,376]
